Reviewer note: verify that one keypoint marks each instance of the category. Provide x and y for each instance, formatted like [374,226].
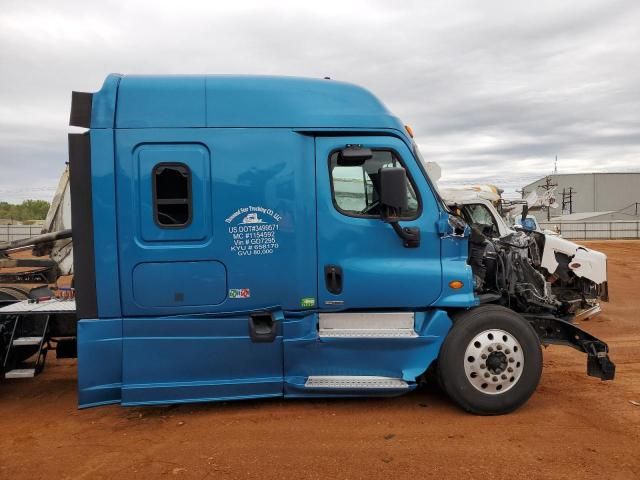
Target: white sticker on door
[253,231]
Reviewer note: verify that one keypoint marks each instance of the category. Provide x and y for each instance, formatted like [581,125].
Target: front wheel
[490,362]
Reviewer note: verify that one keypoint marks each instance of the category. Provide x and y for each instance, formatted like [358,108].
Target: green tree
[27,210]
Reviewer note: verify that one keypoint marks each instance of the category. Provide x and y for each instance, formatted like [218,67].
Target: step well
[356,382]
[27,341]
[21,373]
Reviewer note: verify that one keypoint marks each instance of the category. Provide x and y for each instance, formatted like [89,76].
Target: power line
[547,186]
[567,199]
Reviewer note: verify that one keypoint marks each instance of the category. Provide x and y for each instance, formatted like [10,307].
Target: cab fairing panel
[104,223]
[236,101]
[99,361]
[197,358]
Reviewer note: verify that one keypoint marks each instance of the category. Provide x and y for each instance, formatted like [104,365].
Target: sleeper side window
[172,203]
[355,188]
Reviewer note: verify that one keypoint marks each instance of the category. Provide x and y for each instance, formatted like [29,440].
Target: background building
[615,196]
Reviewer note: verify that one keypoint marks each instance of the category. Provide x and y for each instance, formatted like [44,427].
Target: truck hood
[585,262]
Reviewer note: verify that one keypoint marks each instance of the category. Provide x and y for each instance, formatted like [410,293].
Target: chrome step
[21,373]
[356,382]
[367,333]
[367,325]
[27,341]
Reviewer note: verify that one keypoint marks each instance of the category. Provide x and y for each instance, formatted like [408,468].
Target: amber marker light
[409,130]
[456,284]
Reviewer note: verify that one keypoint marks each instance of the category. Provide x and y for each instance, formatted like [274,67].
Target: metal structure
[592,192]
[596,230]
[11,232]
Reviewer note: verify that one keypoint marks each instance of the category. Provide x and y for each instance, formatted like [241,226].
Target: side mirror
[393,192]
[354,156]
[525,211]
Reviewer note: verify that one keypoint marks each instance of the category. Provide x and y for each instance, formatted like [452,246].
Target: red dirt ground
[573,427]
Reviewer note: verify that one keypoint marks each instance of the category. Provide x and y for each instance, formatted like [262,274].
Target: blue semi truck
[243,237]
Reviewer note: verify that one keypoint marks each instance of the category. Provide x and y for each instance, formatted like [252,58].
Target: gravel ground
[573,427]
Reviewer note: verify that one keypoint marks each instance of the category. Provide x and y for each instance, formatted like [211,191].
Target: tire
[493,340]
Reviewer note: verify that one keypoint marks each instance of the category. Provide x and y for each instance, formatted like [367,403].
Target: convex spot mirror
[354,156]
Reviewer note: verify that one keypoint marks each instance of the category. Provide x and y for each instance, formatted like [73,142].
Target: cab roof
[188,101]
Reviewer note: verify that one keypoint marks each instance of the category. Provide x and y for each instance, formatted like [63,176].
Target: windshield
[479,215]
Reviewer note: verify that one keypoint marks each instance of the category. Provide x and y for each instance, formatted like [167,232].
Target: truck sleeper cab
[248,237]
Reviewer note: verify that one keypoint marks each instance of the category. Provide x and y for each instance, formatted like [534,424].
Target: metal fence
[9,233]
[595,230]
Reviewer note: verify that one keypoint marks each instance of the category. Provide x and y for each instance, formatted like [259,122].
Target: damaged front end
[555,331]
[536,273]
[516,271]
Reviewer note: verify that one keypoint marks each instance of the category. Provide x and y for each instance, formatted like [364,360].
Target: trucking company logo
[253,231]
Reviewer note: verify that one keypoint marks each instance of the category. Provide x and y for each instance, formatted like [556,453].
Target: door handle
[333,278]
[262,327]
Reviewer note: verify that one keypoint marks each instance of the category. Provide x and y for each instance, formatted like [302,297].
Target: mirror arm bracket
[410,235]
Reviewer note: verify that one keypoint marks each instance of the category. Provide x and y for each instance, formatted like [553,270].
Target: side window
[355,188]
[172,202]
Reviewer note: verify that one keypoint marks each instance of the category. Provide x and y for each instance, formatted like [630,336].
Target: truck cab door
[363,263]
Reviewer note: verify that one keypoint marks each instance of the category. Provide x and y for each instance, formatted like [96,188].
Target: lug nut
[483,356]
[490,349]
[486,375]
[503,376]
[482,365]
[499,347]
[495,379]
[507,351]
[511,360]
[509,369]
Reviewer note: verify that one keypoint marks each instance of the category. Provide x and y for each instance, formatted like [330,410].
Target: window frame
[395,153]
[154,192]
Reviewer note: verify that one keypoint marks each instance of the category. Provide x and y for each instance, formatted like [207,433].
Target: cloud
[494,90]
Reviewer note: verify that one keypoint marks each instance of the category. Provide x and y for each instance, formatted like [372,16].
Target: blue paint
[177,359]
[103,109]
[176,284]
[158,102]
[263,227]
[99,362]
[248,168]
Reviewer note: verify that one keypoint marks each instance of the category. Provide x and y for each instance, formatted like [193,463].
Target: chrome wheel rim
[493,362]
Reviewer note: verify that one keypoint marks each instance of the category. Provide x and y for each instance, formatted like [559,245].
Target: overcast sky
[493,89]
